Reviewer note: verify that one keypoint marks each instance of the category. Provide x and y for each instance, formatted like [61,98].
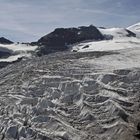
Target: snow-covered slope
[106,45]
[135,28]
[115,32]
[16,51]
[117,38]
[73,96]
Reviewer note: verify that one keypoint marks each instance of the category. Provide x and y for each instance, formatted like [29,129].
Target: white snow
[126,59]
[119,41]
[115,32]
[19,47]
[135,28]
[3,49]
[15,57]
[16,51]
[108,45]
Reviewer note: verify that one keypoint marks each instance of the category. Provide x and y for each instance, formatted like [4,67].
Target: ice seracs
[73,96]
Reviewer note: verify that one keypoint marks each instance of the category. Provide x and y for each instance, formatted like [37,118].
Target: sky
[28,20]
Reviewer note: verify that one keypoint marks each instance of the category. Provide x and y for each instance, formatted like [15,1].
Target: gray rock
[12,132]
[22,132]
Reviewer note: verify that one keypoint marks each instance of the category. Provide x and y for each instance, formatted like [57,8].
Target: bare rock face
[5,41]
[71,96]
[12,132]
[4,54]
[4,64]
[130,33]
[61,37]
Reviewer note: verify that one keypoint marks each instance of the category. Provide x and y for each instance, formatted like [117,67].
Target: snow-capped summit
[135,28]
[60,38]
[117,32]
[116,39]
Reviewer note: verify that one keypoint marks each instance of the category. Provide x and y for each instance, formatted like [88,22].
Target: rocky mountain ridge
[62,38]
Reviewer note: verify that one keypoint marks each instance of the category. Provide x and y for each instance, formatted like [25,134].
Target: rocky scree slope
[71,96]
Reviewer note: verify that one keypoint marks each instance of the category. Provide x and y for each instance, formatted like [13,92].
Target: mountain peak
[3,40]
[135,27]
[60,38]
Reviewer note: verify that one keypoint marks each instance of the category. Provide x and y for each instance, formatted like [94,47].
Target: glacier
[91,94]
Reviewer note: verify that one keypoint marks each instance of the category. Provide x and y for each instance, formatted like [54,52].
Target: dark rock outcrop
[12,132]
[4,54]
[5,41]
[4,63]
[130,33]
[60,38]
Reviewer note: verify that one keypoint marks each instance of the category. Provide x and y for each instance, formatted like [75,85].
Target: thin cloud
[106,13]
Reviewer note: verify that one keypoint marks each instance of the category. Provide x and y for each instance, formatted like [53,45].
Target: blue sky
[28,20]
